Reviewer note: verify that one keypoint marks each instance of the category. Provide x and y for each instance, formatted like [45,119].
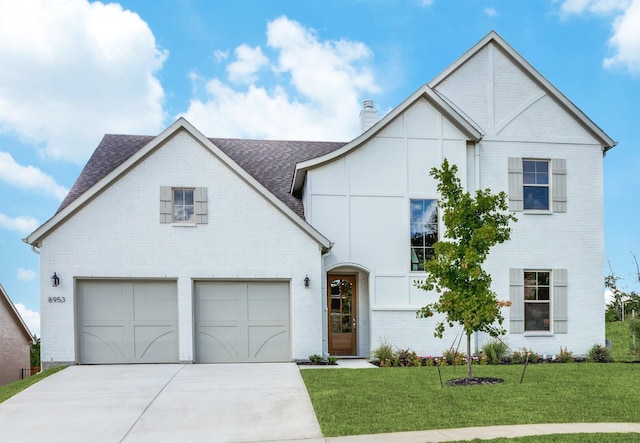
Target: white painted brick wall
[571,240]
[118,235]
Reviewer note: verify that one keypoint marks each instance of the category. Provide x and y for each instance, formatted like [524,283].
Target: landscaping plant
[495,350]
[384,352]
[600,354]
[473,225]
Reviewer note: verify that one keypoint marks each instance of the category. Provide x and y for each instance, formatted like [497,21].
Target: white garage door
[127,321]
[242,322]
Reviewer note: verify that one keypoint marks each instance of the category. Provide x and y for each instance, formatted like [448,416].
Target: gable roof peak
[494,38]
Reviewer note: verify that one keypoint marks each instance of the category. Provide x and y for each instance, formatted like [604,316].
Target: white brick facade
[118,235]
[370,185]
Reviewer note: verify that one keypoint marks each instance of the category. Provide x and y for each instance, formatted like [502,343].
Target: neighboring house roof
[264,164]
[4,298]
[493,37]
[463,123]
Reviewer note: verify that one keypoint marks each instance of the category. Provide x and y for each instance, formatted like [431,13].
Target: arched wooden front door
[341,303]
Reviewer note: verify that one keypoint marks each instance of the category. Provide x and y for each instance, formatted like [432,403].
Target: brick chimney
[368,115]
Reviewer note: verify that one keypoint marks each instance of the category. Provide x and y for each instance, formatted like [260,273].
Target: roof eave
[25,329]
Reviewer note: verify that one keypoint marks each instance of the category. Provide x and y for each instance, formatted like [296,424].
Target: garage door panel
[127,321]
[154,302]
[268,343]
[219,343]
[103,343]
[151,342]
[103,303]
[242,321]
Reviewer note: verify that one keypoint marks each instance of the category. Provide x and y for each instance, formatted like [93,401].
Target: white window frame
[174,205]
[548,302]
[411,222]
[546,186]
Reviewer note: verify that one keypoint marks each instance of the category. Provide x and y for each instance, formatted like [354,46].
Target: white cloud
[625,38]
[29,177]
[491,12]
[72,70]
[594,6]
[327,79]
[23,225]
[220,56]
[26,274]
[31,318]
[425,3]
[248,62]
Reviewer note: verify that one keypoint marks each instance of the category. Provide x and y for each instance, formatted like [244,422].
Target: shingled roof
[270,162]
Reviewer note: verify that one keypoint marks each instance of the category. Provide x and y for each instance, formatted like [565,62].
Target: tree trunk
[469,359]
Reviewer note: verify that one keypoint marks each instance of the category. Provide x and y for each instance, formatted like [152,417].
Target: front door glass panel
[342,316]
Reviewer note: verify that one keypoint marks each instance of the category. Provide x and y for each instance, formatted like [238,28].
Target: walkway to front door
[341,302]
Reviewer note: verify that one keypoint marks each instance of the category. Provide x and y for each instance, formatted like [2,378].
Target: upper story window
[537,186]
[424,231]
[183,206]
[537,300]
[535,181]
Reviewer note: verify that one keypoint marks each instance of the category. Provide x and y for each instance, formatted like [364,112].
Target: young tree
[473,224]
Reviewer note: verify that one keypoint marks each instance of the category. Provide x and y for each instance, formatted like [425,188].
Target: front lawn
[11,389]
[369,401]
[620,335]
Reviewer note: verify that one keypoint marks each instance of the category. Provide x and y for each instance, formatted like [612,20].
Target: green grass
[588,438]
[11,389]
[620,336]
[369,401]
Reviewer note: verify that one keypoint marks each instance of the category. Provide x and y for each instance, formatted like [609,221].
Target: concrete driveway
[163,403]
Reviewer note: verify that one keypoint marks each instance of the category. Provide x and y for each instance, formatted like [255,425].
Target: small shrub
[565,356]
[332,359]
[407,357]
[453,357]
[495,351]
[316,359]
[520,356]
[384,352]
[599,354]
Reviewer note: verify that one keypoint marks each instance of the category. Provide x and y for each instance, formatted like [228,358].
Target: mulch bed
[474,381]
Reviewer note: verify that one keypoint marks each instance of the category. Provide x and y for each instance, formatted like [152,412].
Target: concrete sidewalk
[483,433]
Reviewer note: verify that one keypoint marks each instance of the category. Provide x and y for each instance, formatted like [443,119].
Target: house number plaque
[56,300]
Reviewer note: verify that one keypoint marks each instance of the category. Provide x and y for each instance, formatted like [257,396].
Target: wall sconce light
[306,282]
[55,280]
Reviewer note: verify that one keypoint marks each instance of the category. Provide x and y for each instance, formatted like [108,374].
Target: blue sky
[73,70]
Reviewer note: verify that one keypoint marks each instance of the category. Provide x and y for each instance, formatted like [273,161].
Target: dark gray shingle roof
[270,162]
